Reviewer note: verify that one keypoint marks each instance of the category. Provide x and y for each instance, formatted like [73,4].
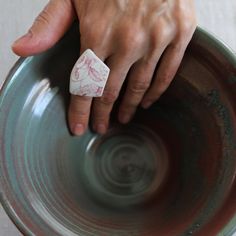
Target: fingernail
[78,129]
[146,104]
[125,118]
[101,128]
[27,36]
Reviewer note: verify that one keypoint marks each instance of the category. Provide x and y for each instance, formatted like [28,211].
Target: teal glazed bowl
[170,172]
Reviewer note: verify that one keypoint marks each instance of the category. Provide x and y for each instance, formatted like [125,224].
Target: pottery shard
[89,75]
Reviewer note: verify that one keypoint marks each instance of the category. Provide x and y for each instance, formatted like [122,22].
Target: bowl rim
[207,37]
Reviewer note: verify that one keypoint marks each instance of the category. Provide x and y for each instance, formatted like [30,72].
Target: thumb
[48,28]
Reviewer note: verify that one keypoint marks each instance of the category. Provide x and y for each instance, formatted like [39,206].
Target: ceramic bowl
[171,171]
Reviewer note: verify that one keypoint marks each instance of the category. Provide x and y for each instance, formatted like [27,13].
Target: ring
[89,75]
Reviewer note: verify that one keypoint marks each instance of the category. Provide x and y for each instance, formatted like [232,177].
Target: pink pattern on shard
[91,89]
[89,75]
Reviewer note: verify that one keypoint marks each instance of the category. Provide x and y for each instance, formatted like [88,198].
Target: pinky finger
[169,65]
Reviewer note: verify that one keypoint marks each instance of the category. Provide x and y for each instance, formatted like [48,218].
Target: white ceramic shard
[89,75]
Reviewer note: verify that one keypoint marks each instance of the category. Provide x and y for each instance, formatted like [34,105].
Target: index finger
[79,112]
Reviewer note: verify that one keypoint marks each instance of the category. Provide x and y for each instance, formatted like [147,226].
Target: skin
[131,37]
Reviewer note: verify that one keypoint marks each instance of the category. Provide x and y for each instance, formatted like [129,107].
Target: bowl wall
[171,171]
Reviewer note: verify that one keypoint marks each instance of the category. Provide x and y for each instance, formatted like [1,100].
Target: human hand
[131,36]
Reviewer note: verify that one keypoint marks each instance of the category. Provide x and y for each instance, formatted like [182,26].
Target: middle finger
[102,106]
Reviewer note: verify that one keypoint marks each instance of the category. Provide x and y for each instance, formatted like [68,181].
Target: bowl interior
[171,171]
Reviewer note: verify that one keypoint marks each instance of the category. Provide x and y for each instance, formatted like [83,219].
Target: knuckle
[78,107]
[44,17]
[160,35]
[177,47]
[185,17]
[184,29]
[101,118]
[157,45]
[139,87]
[78,99]
[157,42]
[129,106]
[187,28]
[133,39]
[165,79]
[85,23]
[81,114]
[109,96]
[75,110]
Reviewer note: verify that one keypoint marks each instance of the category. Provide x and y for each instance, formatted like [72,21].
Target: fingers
[141,75]
[80,106]
[103,106]
[79,109]
[168,67]
[79,112]
[172,56]
[47,29]
[139,80]
[122,54]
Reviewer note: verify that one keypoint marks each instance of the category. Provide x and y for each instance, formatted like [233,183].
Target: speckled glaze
[170,172]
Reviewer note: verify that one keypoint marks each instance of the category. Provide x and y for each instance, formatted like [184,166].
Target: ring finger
[139,81]
[169,65]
